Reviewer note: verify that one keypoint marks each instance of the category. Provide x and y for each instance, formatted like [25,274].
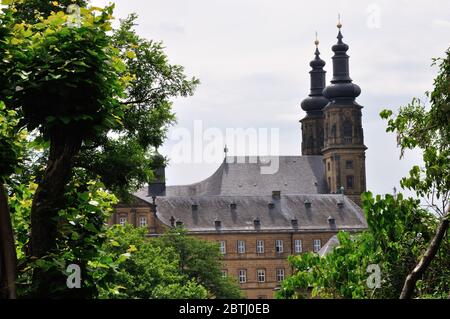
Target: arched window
[348,131]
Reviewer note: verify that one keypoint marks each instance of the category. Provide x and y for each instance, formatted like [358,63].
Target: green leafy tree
[200,260]
[11,151]
[428,129]
[72,86]
[150,271]
[401,232]
[398,230]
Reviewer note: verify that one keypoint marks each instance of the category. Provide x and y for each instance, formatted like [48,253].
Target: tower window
[349,181]
[348,131]
[349,164]
[333,131]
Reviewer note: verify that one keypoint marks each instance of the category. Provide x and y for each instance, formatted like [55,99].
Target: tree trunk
[49,198]
[8,258]
[421,267]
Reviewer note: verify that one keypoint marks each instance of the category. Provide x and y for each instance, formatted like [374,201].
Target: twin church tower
[332,127]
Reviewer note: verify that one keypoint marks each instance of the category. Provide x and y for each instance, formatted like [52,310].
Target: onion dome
[316,101]
[341,90]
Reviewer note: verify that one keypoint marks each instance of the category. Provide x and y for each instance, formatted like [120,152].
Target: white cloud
[253,60]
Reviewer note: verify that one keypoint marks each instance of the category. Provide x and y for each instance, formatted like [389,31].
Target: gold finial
[317,41]
[339,25]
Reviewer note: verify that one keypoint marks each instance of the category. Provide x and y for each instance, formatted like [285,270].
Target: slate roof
[207,210]
[239,182]
[243,176]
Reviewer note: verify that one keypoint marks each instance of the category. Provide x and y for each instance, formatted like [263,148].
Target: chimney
[157,187]
[332,222]
[307,204]
[276,195]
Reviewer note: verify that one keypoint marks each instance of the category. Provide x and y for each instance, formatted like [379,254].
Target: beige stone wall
[340,149]
[312,135]
[270,260]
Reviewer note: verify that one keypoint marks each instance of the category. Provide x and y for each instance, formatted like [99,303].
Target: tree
[71,87]
[151,270]
[10,153]
[398,230]
[429,130]
[200,260]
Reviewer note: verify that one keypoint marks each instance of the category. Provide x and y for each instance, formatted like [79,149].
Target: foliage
[151,271]
[11,143]
[97,104]
[200,260]
[398,231]
[81,233]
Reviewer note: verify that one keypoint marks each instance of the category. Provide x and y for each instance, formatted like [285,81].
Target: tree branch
[8,258]
[421,267]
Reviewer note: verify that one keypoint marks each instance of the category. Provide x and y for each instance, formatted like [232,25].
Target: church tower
[312,124]
[344,149]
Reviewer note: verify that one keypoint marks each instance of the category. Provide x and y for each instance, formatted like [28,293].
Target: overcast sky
[252,57]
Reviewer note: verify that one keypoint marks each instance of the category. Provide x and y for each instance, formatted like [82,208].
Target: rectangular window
[241,246]
[350,181]
[280,274]
[279,246]
[298,247]
[242,276]
[224,273]
[349,164]
[143,221]
[122,221]
[317,245]
[260,246]
[261,275]
[223,247]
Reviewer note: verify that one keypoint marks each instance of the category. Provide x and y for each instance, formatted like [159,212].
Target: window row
[279,246]
[260,275]
[142,221]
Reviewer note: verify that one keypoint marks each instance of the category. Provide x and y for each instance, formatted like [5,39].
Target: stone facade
[259,219]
